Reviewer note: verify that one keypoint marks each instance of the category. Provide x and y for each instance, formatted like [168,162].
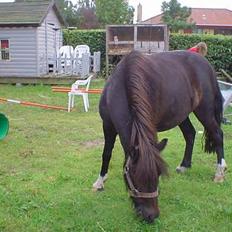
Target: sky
[151,8]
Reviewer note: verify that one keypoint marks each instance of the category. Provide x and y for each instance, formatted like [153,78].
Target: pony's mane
[138,71]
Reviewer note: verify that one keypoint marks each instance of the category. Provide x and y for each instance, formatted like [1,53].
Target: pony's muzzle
[148,215]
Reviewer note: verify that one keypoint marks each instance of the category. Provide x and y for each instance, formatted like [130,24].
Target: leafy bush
[219,46]
[95,39]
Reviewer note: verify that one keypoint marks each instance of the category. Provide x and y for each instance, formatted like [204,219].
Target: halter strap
[132,190]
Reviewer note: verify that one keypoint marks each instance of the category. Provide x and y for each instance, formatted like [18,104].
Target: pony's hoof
[220,173]
[99,184]
[181,169]
[219,178]
[98,189]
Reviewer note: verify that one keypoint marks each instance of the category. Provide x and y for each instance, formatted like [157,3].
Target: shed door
[51,41]
[53,44]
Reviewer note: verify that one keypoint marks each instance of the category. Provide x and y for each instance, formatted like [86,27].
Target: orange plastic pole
[27,103]
[63,87]
[66,90]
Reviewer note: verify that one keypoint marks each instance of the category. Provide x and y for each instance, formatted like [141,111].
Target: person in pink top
[200,48]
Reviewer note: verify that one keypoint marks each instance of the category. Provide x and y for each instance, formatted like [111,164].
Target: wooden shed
[30,34]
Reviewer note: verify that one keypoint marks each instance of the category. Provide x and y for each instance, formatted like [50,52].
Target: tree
[176,16]
[86,3]
[68,11]
[113,12]
[86,14]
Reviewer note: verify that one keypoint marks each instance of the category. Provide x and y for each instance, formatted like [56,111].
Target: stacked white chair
[64,59]
[80,50]
[66,52]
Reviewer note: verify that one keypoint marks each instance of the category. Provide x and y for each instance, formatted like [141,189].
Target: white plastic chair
[80,49]
[75,91]
[81,62]
[66,52]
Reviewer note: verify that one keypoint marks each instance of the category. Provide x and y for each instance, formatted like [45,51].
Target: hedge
[95,39]
[219,46]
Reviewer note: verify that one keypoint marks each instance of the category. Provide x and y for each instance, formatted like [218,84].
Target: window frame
[7,50]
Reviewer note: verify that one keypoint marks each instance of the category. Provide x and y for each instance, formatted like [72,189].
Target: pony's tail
[143,130]
[218,114]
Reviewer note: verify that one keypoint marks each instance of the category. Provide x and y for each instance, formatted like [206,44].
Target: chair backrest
[77,83]
[66,51]
[80,49]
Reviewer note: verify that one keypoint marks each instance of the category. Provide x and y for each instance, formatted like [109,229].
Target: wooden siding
[23,58]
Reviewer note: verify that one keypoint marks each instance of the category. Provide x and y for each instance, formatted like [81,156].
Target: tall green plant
[68,11]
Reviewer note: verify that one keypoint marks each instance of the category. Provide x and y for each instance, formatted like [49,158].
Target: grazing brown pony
[151,93]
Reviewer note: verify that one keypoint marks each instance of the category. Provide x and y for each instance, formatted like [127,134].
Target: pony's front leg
[110,136]
[189,136]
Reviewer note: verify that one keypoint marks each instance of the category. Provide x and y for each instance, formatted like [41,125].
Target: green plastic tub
[4,126]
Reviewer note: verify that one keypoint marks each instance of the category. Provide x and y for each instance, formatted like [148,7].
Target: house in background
[30,35]
[208,21]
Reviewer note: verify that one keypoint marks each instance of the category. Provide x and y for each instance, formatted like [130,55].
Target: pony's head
[141,173]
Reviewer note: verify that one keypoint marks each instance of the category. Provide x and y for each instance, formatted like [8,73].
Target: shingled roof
[26,13]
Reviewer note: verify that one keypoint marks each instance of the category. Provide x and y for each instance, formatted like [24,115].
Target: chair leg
[72,105]
[69,102]
[87,98]
[85,103]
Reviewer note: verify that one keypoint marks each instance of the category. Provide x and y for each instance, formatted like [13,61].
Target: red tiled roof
[202,16]
[154,20]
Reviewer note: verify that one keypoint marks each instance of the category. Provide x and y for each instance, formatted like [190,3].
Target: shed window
[4,49]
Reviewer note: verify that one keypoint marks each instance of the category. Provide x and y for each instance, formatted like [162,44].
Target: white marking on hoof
[105,177]
[220,172]
[223,164]
[181,169]
[99,184]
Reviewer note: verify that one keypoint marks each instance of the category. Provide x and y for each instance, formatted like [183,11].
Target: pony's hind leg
[189,133]
[214,142]
[110,136]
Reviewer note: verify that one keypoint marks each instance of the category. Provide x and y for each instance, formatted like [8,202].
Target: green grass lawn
[50,159]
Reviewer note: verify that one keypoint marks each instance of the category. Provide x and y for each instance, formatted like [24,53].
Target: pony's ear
[162,144]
